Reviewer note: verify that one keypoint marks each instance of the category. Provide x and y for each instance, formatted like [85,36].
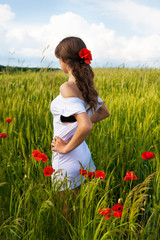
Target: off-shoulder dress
[67,165]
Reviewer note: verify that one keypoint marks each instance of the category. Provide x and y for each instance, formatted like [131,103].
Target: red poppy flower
[117,208]
[8,120]
[85,173]
[148,155]
[3,135]
[130,176]
[117,214]
[86,55]
[106,212]
[48,171]
[99,174]
[42,157]
[90,175]
[35,153]
[82,171]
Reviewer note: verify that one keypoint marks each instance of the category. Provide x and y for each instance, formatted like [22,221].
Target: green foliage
[31,208]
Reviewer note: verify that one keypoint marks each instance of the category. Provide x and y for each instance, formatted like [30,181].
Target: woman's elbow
[104,112]
[107,115]
[87,127]
[90,127]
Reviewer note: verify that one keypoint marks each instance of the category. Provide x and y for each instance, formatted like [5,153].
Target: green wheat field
[31,208]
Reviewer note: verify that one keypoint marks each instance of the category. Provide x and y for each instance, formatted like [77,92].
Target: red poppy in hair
[48,171]
[99,174]
[148,155]
[130,176]
[86,55]
[8,120]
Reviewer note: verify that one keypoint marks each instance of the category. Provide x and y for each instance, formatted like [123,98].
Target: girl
[74,110]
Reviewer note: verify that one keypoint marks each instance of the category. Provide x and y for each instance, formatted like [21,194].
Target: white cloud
[142,18]
[5,14]
[29,41]
[30,52]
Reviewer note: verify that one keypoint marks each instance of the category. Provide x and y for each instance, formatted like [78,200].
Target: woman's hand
[82,131]
[59,145]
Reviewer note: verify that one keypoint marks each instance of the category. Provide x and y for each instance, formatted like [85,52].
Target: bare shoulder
[67,90]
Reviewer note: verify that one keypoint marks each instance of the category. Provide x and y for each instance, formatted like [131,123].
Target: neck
[71,78]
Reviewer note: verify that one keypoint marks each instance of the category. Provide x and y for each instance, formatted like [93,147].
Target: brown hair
[67,50]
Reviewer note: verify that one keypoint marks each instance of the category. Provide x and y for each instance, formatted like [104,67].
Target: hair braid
[84,80]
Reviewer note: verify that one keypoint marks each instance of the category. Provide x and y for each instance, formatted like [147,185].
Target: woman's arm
[100,114]
[83,129]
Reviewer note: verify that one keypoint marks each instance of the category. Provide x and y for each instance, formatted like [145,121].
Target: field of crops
[31,208]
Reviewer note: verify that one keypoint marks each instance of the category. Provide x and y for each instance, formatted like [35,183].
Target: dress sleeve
[100,103]
[72,106]
[91,111]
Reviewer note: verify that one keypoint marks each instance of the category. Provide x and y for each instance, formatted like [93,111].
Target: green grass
[30,208]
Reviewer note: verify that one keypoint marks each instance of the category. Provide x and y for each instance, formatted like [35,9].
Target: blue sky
[117,32]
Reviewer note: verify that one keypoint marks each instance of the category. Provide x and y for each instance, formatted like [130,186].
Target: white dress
[67,165]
